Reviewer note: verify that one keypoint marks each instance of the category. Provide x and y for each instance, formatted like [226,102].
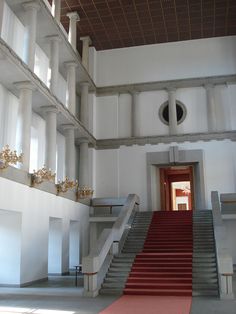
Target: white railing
[224,259]
[107,242]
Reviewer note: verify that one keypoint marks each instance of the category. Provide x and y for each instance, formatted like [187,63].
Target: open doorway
[176,188]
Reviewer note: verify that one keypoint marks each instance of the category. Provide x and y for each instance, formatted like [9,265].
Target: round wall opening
[181,112]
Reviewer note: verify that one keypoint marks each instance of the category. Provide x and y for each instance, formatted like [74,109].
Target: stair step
[112,285]
[109,291]
[161,274]
[158,280]
[198,293]
[158,286]
[161,292]
[166,253]
[115,279]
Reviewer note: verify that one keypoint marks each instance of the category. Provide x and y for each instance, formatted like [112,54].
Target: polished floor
[60,296]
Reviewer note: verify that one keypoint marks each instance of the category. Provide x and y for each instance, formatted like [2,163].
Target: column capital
[53,38]
[84,84]
[82,140]
[68,64]
[46,109]
[65,127]
[25,85]
[209,86]
[134,92]
[86,39]
[171,89]
[34,4]
[73,15]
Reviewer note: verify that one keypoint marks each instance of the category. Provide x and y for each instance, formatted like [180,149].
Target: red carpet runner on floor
[143,304]
[163,269]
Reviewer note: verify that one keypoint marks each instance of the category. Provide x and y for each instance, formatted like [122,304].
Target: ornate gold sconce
[42,175]
[64,186]
[85,192]
[8,157]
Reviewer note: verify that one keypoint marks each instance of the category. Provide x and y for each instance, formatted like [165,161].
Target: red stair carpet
[164,267]
[160,281]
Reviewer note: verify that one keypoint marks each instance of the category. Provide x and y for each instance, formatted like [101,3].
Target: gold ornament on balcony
[8,157]
[64,186]
[42,175]
[85,192]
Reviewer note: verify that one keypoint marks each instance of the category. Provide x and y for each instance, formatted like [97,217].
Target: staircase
[205,278]
[164,267]
[166,253]
[121,264]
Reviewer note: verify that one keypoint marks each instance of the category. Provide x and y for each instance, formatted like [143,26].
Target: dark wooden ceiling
[124,23]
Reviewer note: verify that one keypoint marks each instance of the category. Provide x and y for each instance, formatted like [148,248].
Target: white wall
[231,96]
[10,240]
[8,118]
[60,157]
[107,117]
[55,246]
[37,146]
[74,247]
[13,31]
[35,208]
[61,89]
[231,236]
[124,115]
[93,63]
[123,171]
[107,173]
[113,113]
[167,61]
[41,66]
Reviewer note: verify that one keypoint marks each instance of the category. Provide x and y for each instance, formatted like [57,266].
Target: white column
[69,133]
[86,40]
[84,104]
[135,120]
[31,8]
[74,18]
[50,113]
[172,111]
[24,121]
[84,164]
[2,3]
[54,61]
[211,108]
[56,10]
[71,86]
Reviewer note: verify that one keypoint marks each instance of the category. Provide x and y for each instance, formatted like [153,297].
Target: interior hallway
[60,296]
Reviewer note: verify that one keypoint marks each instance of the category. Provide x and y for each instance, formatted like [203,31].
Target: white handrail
[92,263]
[224,259]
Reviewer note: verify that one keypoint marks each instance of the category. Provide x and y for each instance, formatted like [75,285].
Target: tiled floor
[60,296]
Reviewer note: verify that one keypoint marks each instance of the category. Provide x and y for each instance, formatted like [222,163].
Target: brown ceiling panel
[125,23]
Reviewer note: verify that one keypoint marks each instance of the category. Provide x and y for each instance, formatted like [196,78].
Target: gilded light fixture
[85,192]
[64,186]
[8,157]
[43,174]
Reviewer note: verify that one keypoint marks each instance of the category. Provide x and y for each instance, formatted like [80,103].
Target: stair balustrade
[107,242]
[224,259]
